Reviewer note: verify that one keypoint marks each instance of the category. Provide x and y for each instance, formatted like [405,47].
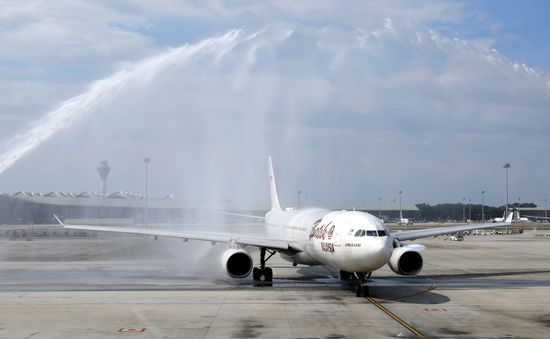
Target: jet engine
[407,260]
[237,263]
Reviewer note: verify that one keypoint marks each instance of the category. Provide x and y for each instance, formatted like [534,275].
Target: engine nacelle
[406,261]
[237,263]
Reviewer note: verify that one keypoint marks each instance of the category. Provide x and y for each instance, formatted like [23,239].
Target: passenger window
[381,233]
[371,233]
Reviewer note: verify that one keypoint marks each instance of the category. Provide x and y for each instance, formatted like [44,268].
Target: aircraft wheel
[257,274]
[268,274]
[358,290]
[366,292]
[344,275]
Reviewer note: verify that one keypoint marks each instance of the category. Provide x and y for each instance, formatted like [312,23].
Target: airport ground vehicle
[456,237]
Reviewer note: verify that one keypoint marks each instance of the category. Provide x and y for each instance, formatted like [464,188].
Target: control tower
[103,171]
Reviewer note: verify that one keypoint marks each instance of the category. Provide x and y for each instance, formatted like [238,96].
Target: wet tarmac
[484,287]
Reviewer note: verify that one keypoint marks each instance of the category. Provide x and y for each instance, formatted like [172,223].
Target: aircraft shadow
[407,295]
[484,274]
[383,289]
[423,289]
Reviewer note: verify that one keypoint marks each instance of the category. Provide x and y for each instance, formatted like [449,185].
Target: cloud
[71,31]
[350,109]
[316,12]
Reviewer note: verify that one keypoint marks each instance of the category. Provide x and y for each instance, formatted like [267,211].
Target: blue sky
[355,100]
[519,28]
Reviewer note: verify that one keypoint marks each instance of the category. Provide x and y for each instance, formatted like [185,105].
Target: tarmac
[495,286]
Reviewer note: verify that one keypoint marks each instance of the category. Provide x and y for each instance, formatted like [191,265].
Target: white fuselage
[346,240]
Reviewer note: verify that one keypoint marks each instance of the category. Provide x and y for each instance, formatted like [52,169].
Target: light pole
[469,210]
[400,210]
[482,206]
[506,167]
[545,208]
[299,197]
[463,210]
[147,161]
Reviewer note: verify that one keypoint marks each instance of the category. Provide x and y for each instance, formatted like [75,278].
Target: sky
[355,100]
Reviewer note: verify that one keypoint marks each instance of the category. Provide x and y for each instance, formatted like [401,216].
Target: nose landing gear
[359,282]
[361,289]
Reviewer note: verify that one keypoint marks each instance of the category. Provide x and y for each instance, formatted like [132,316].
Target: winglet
[59,221]
[275,206]
[509,218]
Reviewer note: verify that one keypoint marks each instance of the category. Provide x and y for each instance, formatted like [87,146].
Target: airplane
[516,218]
[527,218]
[497,219]
[355,243]
[520,218]
[535,217]
[403,221]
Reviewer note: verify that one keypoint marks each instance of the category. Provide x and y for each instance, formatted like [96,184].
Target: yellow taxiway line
[396,318]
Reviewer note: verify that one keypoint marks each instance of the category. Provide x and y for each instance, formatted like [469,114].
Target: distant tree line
[444,212]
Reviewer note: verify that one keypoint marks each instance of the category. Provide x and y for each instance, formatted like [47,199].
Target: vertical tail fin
[273,188]
[510,217]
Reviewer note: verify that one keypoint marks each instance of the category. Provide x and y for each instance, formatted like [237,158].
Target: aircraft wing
[432,232]
[249,216]
[214,237]
[536,217]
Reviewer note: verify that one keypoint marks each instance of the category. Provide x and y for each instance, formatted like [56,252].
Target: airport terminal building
[118,207]
[125,208]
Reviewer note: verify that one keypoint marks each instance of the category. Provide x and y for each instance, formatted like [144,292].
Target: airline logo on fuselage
[322,232]
[327,247]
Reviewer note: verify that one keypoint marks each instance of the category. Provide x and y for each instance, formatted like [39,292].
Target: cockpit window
[362,233]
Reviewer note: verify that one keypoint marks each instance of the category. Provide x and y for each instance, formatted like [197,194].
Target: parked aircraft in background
[499,219]
[521,219]
[356,243]
[517,217]
[535,217]
[403,221]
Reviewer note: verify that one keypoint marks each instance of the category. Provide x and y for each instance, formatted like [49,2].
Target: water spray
[102,90]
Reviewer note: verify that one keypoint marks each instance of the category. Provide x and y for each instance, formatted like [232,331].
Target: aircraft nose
[373,255]
[381,248]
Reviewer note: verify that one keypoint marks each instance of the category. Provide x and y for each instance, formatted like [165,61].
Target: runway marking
[216,315]
[396,318]
[155,331]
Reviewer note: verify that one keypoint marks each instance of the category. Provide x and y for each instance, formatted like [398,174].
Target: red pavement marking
[132,330]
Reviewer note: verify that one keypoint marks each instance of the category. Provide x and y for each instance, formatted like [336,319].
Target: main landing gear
[359,282]
[263,272]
